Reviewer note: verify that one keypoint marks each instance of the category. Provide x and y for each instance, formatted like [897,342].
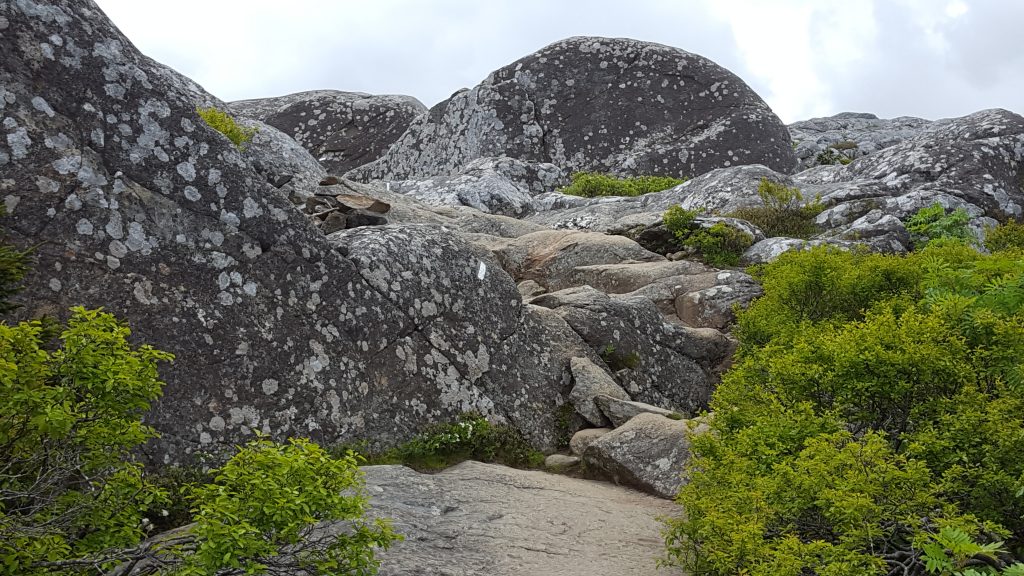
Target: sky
[805,58]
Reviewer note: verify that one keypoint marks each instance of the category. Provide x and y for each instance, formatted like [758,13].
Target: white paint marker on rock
[481,271]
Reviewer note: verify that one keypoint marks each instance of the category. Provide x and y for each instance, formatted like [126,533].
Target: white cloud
[890,57]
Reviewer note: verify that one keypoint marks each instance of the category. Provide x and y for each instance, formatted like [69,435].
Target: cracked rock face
[851,134]
[341,129]
[597,104]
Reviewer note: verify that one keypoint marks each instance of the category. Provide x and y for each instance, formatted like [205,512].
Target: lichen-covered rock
[648,452]
[851,135]
[611,105]
[551,257]
[590,381]
[714,306]
[656,362]
[492,185]
[580,440]
[136,205]
[341,129]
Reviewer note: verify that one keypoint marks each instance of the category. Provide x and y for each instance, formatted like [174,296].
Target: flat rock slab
[478,518]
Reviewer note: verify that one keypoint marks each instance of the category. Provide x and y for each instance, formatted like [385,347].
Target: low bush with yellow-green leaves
[783,212]
[593,184]
[875,408]
[719,245]
[225,124]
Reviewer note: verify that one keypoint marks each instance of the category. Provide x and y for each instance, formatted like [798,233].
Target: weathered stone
[851,134]
[590,381]
[152,214]
[611,105]
[714,306]
[561,462]
[528,289]
[620,411]
[580,440]
[485,519]
[551,257]
[341,129]
[492,185]
[648,452]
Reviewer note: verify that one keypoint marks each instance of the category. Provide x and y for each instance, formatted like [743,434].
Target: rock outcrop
[485,519]
[850,135]
[604,104]
[342,130]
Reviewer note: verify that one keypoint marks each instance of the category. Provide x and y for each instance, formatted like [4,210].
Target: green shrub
[720,245]
[1006,236]
[268,497]
[222,122]
[784,212]
[830,156]
[879,406]
[592,184]
[73,499]
[617,360]
[472,437]
[932,223]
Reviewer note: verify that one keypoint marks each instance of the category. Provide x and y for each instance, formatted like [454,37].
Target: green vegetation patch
[1006,236]
[719,245]
[784,212]
[933,223]
[592,185]
[472,437]
[871,424]
[223,122]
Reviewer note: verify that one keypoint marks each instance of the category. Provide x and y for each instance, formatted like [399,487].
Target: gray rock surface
[852,134]
[493,185]
[605,104]
[477,519]
[620,411]
[561,462]
[648,453]
[583,438]
[150,213]
[659,363]
[341,129]
[590,381]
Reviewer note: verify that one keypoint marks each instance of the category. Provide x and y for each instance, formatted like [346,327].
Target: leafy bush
[720,245]
[830,156]
[592,184]
[1006,236]
[472,437]
[222,122]
[73,500]
[784,212]
[270,497]
[932,223]
[952,551]
[877,405]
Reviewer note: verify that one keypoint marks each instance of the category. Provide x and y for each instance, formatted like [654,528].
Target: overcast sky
[806,58]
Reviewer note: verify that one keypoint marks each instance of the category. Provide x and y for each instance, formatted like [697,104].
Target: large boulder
[648,452]
[605,104]
[341,129]
[136,205]
[485,519]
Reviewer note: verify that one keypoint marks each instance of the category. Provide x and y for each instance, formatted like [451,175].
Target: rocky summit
[607,104]
[361,268]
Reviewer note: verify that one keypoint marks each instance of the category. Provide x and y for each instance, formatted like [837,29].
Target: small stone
[561,462]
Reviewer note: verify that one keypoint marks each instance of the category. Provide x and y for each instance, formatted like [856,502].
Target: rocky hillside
[365,267]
